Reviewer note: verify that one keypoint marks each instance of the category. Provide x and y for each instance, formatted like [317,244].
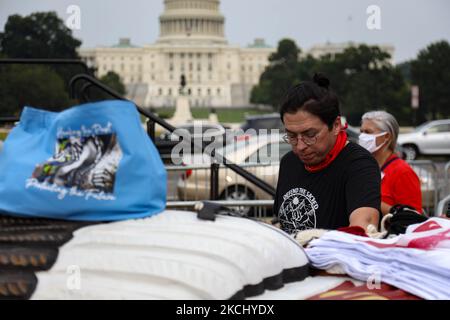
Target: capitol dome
[192,21]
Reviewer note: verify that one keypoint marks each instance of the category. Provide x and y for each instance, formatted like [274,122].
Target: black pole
[151,129]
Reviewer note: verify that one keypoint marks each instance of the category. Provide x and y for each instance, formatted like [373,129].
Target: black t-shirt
[325,199]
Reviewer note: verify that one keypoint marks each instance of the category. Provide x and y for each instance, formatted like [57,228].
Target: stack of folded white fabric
[417,261]
[172,255]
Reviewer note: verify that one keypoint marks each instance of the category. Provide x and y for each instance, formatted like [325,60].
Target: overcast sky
[409,25]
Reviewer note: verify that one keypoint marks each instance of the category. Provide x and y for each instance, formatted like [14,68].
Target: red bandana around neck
[341,141]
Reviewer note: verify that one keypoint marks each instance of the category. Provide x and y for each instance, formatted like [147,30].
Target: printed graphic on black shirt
[86,163]
[298,211]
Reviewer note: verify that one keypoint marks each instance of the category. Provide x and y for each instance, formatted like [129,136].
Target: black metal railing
[218,158]
[89,81]
[11,120]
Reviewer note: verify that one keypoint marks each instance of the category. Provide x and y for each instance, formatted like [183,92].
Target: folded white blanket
[172,255]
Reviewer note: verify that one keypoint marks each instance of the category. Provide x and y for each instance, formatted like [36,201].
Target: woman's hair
[386,123]
[314,97]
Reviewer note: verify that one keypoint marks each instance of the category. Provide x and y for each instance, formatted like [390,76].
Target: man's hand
[363,217]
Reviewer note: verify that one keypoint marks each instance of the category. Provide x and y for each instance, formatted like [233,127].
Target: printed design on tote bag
[85,161]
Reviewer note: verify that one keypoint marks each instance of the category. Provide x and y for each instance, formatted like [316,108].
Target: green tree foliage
[112,80]
[405,69]
[365,80]
[39,35]
[24,86]
[362,76]
[281,74]
[431,72]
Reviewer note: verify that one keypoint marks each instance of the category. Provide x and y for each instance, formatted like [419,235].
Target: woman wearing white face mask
[399,182]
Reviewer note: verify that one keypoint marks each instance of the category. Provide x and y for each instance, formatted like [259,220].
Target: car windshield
[419,128]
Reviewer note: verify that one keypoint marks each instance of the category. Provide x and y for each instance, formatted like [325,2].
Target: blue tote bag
[92,162]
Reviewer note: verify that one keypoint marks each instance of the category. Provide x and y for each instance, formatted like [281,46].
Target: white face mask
[369,141]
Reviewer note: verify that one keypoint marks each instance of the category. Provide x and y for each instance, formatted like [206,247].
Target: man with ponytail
[325,182]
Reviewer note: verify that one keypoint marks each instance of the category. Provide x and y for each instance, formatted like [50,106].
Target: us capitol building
[191,43]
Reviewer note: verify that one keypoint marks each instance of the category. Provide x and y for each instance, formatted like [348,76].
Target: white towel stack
[417,261]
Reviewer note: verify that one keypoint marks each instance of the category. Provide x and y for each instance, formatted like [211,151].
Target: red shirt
[400,185]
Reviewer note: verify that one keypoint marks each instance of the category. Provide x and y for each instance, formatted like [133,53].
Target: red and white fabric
[417,261]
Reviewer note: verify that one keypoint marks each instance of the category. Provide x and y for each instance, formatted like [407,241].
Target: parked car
[428,186]
[199,131]
[261,156]
[430,138]
[265,121]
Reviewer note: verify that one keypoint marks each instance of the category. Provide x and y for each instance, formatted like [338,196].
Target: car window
[267,124]
[440,128]
[284,148]
[263,123]
[269,153]
[190,129]
[353,134]
[419,128]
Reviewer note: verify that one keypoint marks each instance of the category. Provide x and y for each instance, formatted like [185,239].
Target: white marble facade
[191,42]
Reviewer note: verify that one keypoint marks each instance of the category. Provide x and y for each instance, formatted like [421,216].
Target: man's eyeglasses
[308,139]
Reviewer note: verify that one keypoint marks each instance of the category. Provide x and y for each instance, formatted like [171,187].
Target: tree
[364,79]
[405,68]
[39,35]
[279,76]
[431,72]
[112,80]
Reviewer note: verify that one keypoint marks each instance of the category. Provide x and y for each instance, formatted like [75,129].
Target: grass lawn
[3,135]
